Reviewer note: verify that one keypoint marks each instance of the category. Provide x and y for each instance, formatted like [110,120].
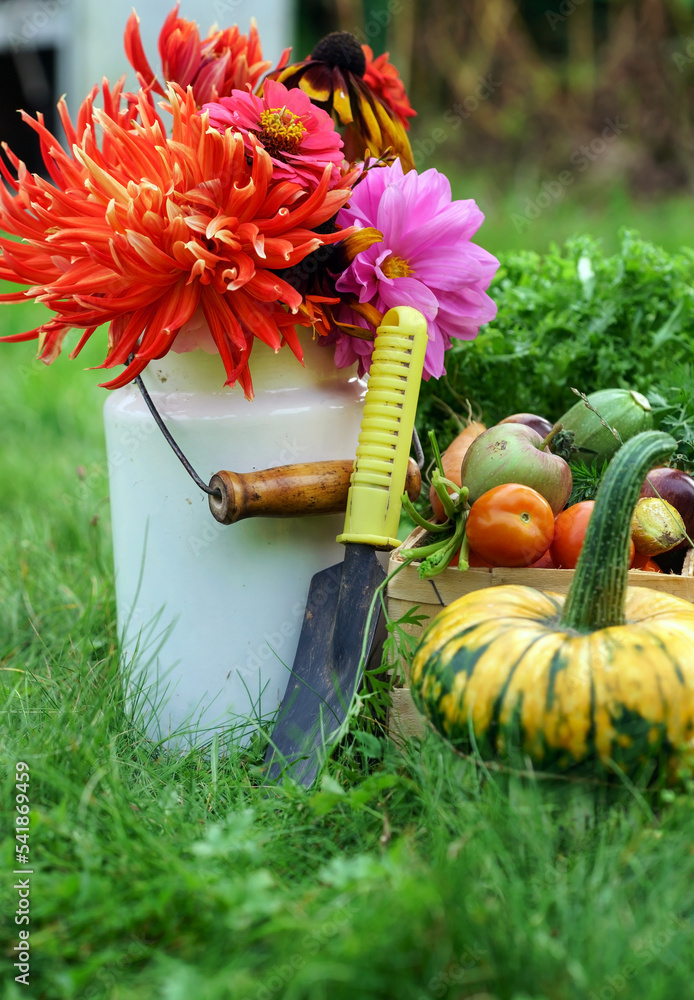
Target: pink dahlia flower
[425,260]
[300,138]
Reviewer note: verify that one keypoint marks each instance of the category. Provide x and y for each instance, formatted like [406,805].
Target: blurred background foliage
[512,95]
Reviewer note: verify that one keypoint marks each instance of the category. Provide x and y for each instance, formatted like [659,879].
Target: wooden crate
[406,590]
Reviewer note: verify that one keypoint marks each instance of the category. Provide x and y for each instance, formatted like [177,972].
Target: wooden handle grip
[291,490]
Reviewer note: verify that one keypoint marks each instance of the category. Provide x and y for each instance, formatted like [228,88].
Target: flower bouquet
[225,203]
[261,200]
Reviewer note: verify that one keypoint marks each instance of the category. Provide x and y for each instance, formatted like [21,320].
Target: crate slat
[404,720]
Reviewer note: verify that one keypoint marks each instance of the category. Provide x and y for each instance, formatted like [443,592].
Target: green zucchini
[625,410]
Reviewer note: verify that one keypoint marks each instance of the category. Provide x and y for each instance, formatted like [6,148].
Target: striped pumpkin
[605,674]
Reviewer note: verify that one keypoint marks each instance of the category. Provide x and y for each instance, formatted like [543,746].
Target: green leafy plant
[673,408]
[586,480]
[576,317]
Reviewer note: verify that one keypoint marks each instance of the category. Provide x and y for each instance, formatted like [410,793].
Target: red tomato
[544,562]
[478,561]
[510,525]
[569,532]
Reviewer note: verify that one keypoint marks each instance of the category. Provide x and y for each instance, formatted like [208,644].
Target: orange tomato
[646,563]
[544,562]
[569,531]
[477,561]
[510,525]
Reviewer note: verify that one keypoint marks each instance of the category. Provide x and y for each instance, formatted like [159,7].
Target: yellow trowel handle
[378,480]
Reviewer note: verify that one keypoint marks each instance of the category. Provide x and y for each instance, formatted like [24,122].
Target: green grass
[408,873]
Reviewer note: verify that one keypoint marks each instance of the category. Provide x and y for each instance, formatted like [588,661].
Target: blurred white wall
[88,34]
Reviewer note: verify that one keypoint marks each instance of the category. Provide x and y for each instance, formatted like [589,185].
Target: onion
[656,526]
[539,424]
[677,488]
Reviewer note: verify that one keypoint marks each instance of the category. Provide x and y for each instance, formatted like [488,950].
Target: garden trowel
[339,620]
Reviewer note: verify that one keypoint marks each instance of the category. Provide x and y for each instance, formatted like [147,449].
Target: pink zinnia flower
[425,260]
[300,138]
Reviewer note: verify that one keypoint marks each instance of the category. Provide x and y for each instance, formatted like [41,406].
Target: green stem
[550,437]
[414,515]
[441,486]
[450,485]
[437,451]
[437,561]
[597,594]
[422,551]
[464,558]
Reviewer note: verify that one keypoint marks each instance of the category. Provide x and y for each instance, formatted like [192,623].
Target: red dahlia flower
[384,80]
[142,231]
[213,67]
